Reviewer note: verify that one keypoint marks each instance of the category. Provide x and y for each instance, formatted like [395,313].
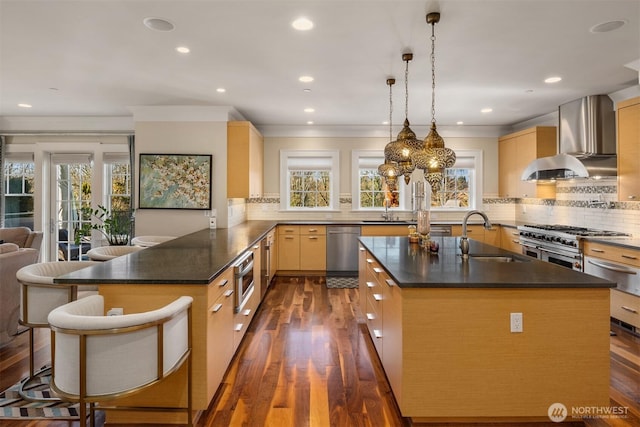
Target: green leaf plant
[115,226]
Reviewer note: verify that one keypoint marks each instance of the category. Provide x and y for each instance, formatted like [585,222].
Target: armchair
[12,258]
[97,358]
[24,237]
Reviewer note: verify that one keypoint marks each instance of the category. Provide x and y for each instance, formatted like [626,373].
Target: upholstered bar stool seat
[39,295]
[99,358]
[147,241]
[105,253]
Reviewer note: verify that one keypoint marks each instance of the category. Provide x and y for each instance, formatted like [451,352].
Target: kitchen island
[497,337]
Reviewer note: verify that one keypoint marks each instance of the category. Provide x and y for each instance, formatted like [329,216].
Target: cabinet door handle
[600,251]
[377,334]
[238,327]
[631,197]
[371,285]
[369,261]
[377,297]
[313,230]
[288,230]
[516,241]
[216,308]
[390,282]
[629,256]
[313,237]
[288,238]
[624,307]
[362,249]
[378,270]
[515,233]
[256,247]
[223,283]
[246,312]
[371,316]
[228,293]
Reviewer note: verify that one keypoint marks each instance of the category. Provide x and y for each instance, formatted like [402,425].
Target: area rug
[13,406]
[342,282]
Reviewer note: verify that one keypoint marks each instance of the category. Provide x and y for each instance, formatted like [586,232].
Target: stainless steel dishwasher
[342,250]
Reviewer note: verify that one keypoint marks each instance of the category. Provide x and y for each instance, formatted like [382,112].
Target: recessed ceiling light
[302,24]
[183,49]
[554,79]
[460,122]
[309,122]
[221,90]
[305,79]
[605,27]
[309,110]
[158,24]
[486,110]
[22,105]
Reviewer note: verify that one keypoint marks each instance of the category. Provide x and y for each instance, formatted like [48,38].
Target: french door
[71,180]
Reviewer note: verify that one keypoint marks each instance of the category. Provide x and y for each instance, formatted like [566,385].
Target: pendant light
[389,170]
[406,144]
[435,157]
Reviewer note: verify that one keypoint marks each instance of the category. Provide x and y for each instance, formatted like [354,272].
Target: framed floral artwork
[175,181]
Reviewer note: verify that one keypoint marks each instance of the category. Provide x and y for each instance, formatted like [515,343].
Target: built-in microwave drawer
[627,278]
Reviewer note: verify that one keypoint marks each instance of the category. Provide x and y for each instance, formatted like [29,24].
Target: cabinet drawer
[625,307]
[220,285]
[612,253]
[313,229]
[374,324]
[289,230]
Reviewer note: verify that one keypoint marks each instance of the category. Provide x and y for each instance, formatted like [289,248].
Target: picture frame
[175,181]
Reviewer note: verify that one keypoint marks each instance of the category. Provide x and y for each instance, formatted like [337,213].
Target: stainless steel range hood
[586,143]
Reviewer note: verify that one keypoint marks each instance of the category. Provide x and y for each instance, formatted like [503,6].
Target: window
[368,189]
[461,185]
[310,180]
[118,180]
[19,180]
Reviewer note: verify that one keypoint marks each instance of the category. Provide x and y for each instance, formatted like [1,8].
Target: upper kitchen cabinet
[629,150]
[245,153]
[516,151]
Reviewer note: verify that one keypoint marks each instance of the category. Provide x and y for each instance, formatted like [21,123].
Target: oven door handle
[245,270]
[611,267]
[574,256]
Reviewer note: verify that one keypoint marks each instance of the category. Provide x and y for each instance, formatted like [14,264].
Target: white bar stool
[105,253]
[147,241]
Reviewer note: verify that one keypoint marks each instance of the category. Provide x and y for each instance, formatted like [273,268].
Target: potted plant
[114,225]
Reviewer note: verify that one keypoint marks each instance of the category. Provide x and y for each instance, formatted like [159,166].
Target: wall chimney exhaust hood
[586,143]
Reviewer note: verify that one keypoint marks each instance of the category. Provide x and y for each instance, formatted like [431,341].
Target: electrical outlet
[212,222]
[516,322]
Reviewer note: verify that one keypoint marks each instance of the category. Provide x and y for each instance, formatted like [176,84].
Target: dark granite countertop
[412,267]
[195,258]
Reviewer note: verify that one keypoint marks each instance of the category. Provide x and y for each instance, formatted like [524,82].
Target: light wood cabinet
[628,119]
[515,152]
[313,248]
[245,158]
[374,301]
[625,307]
[289,247]
[510,239]
[302,247]
[612,253]
[362,280]
[220,332]
[385,230]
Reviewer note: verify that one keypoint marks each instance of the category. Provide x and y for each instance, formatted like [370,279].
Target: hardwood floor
[307,361]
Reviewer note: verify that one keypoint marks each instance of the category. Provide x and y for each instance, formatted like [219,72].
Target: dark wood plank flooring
[307,361]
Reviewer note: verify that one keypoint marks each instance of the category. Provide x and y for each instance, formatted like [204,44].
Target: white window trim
[333,155]
[403,189]
[476,188]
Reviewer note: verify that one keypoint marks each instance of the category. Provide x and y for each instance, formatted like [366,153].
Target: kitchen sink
[497,258]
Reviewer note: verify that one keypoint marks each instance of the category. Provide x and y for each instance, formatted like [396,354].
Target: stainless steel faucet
[464,241]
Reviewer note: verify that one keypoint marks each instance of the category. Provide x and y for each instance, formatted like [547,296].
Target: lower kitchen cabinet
[510,239]
[220,333]
[625,307]
[302,248]
[385,230]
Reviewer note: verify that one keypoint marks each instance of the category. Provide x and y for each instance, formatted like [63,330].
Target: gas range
[560,244]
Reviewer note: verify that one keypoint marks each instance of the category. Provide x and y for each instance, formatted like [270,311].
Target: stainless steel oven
[244,279]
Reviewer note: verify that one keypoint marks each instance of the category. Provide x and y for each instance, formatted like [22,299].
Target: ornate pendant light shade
[389,170]
[435,157]
[406,144]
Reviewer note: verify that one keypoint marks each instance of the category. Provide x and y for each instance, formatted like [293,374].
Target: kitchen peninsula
[442,333]
[499,336]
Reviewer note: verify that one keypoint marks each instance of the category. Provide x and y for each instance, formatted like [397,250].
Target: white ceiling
[101,59]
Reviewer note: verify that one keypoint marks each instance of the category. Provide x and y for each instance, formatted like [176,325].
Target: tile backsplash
[585,203]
